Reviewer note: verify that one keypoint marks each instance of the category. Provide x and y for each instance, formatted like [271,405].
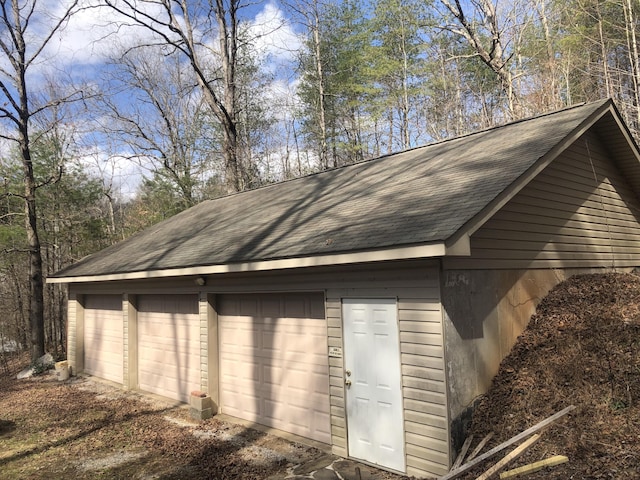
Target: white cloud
[119,173]
[95,31]
[274,35]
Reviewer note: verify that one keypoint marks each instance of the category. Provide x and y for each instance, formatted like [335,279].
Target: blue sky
[82,49]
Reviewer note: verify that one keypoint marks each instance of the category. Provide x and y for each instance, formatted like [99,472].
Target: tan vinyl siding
[564,218]
[415,285]
[333,312]
[73,345]
[126,336]
[203,311]
[422,368]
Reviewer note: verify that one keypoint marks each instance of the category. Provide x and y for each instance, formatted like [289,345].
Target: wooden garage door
[169,345]
[103,336]
[273,361]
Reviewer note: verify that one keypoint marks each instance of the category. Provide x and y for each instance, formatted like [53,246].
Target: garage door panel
[244,405]
[273,361]
[169,345]
[103,337]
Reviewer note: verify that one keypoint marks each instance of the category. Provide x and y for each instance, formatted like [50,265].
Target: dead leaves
[582,347]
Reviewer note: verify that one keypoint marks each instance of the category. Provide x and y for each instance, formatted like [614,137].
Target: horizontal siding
[125,341]
[333,313]
[416,287]
[564,218]
[72,332]
[203,312]
[421,350]
[422,369]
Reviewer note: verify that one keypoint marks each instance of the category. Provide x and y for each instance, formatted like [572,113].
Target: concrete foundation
[484,312]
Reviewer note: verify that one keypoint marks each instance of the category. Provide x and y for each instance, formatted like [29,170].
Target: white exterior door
[373,387]
[274,368]
[103,336]
[169,345]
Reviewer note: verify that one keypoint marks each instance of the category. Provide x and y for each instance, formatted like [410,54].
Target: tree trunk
[632,42]
[489,47]
[322,123]
[36,278]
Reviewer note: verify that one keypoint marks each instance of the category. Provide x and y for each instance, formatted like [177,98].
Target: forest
[200,100]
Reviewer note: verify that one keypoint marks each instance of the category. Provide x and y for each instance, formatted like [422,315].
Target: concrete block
[201,406]
[201,403]
[197,414]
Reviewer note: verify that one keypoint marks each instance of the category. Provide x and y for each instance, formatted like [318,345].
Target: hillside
[581,348]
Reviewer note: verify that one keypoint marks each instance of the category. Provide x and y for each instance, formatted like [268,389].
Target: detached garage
[368,306]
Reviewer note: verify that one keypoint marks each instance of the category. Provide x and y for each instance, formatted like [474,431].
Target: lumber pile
[526,440]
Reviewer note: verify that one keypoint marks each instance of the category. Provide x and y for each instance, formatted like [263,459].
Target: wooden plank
[537,427]
[480,446]
[463,452]
[535,467]
[515,453]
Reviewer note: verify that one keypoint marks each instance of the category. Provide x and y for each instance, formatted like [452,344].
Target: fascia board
[400,253]
[471,226]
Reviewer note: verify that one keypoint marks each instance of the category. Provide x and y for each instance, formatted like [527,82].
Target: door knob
[347,383]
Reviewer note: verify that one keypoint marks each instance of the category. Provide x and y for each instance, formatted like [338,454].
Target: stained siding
[573,214]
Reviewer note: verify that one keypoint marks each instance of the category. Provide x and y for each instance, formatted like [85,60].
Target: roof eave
[478,220]
[431,250]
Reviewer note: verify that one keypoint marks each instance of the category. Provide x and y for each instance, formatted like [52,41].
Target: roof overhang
[431,250]
[632,165]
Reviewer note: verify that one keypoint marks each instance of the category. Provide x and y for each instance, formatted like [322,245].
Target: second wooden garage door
[103,336]
[273,361]
[169,345]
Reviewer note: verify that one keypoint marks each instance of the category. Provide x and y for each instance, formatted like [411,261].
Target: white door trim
[373,382]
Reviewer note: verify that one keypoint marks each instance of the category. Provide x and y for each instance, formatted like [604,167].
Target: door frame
[400,464]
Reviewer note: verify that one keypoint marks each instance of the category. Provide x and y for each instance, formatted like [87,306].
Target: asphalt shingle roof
[415,197]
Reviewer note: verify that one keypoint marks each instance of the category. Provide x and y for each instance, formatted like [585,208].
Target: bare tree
[182,26]
[165,124]
[21,47]
[485,37]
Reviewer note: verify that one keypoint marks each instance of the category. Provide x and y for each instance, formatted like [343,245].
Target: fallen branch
[480,446]
[515,453]
[539,426]
[534,467]
[463,452]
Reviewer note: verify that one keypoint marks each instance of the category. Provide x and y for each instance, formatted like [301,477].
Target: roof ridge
[495,127]
[385,156]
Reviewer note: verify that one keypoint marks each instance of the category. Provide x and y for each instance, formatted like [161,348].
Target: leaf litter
[582,348]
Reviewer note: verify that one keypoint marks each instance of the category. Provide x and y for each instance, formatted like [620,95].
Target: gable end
[579,212]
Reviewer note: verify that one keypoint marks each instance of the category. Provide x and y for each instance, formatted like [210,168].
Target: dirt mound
[582,348]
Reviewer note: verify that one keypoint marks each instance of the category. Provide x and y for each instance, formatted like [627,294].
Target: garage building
[368,306]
